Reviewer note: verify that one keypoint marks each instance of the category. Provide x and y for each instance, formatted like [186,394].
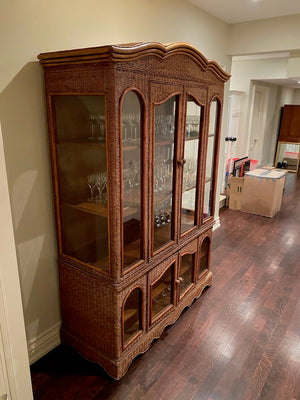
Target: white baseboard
[44,343]
[217,224]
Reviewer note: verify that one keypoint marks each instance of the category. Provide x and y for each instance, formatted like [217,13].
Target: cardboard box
[235,192]
[262,193]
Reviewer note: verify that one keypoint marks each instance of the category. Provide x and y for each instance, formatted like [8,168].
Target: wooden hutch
[134,137]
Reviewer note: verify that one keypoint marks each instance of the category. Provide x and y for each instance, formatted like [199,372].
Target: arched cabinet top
[133,51]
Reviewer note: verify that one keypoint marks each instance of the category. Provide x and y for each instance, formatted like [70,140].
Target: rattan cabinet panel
[134,162]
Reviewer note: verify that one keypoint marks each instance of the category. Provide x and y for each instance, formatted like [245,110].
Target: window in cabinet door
[211,158]
[132,173]
[165,128]
[81,155]
[132,321]
[162,293]
[190,166]
[187,272]
[204,256]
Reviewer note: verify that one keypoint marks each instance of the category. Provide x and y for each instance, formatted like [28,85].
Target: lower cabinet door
[187,268]
[204,259]
[162,288]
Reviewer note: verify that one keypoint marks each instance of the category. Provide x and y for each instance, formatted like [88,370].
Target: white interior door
[258,117]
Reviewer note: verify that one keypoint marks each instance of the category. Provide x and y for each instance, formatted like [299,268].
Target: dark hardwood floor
[239,341]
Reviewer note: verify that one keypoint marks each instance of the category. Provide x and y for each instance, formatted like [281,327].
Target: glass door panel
[132,315]
[210,158]
[204,256]
[81,157]
[190,168]
[187,272]
[162,292]
[165,126]
[132,172]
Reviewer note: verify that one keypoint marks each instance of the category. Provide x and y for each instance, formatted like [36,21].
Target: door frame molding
[265,90]
[13,349]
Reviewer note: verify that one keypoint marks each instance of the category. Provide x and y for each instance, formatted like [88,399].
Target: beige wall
[26,29]
[244,72]
[267,35]
[14,364]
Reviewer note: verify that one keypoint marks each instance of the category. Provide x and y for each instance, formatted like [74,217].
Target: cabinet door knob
[181,162]
[179,280]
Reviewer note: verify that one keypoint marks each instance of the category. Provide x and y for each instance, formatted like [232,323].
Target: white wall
[26,29]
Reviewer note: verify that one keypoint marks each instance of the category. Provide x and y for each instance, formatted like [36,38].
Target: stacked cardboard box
[259,192]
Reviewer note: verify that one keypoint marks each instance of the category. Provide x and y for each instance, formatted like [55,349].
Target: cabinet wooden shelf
[100,209]
[119,261]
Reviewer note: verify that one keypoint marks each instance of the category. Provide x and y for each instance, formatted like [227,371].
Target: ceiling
[234,11]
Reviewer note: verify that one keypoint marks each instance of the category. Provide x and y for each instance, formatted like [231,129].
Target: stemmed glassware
[91,184]
[97,181]
[131,127]
[97,127]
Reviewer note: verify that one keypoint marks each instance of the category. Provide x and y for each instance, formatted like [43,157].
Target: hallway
[239,340]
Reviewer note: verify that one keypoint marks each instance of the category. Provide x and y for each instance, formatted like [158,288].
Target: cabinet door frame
[200,242]
[199,95]
[192,248]
[52,127]
[143,177]
[141,316]
[159,95]
[213,96]
[153,277]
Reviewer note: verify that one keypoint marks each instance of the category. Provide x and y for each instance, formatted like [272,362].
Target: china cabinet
[134,139]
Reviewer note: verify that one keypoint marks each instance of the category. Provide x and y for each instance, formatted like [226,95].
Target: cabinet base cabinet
[93,331]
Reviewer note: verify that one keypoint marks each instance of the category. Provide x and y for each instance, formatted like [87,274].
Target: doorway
[258,118]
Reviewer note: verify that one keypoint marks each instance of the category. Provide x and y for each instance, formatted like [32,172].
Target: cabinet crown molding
[130,52]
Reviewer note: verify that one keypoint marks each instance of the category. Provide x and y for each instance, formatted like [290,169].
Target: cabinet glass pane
[165,125]
[190,169]
[187,272]
[132,314]
[131,139]
[81,157]
[210,158]
[204,256]
[162,292]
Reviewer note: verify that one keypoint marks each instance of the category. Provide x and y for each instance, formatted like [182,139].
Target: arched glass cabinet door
[132,167]
[132,315]
[190,164]
[187,268]
[211,154]
[162,293]
[204,256]
[163,174]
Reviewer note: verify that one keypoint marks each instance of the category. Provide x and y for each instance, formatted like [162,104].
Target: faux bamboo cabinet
[134,138]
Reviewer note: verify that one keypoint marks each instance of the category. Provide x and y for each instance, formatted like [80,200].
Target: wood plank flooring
[239,341]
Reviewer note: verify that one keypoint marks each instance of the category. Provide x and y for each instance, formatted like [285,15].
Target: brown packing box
[235,192]
[263,190]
